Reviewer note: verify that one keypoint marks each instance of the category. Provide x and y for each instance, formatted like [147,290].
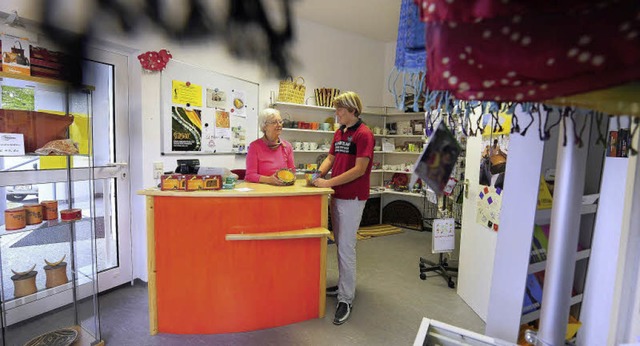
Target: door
[108,72]
[477,243]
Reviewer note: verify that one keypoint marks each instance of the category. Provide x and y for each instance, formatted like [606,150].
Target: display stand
[442,267]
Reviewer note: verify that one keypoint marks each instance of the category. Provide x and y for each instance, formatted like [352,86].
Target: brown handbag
[38,128]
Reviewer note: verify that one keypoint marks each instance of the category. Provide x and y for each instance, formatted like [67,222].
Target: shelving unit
[68,179]
[378,117]
[529,158]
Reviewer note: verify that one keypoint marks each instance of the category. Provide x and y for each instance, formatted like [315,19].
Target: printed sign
[11,144]
[444,235]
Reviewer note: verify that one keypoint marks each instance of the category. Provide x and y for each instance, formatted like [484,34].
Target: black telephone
[189,166]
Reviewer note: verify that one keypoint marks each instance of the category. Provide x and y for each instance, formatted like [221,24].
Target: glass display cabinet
[49,224]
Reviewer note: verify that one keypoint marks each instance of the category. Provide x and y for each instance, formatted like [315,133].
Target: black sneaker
[332,291]
[342,313]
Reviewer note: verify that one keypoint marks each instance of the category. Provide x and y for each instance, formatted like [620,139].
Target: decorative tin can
[15,219]
[194,182]
[33,213]
[212,182]
[71,214]
[50,210]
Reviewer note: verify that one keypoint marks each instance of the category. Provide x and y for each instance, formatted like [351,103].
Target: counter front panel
[208,284]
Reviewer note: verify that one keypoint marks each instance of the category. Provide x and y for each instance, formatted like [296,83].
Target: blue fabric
[411,55]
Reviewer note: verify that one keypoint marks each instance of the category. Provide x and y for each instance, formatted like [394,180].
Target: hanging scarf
[410,63]
[523,51]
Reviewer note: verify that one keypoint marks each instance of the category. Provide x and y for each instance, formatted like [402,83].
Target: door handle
[466,188]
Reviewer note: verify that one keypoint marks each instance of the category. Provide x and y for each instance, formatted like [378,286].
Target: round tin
[71,214]
[50,210]
[15,219]
[33,213]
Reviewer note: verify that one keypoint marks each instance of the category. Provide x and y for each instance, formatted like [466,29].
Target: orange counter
[232,261]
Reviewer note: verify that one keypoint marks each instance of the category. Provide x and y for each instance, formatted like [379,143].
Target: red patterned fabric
[501,50]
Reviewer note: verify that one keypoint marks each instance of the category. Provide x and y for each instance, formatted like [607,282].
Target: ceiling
[375,19]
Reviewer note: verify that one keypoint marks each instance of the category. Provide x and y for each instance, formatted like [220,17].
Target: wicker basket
[292,91]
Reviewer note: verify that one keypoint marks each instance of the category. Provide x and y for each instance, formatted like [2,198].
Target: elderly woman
[269,153]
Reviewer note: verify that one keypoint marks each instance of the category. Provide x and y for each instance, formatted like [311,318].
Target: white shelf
[392,171]
[543,216]
[540,266]
[411,194]
[43,225]
[307,131]
[534,315]
[401,136]
[303,106]
[312,151]
[402,152]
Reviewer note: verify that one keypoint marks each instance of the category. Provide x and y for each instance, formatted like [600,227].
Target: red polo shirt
[356,141]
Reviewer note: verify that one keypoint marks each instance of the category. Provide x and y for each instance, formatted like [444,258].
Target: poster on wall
[18,98]
[223,124]
[186,93]
[186,129]
[238,104]
[493,164]
[197,117]
[444,236]
[216,98]
[488,207]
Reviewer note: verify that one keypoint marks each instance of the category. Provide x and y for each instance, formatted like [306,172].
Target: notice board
[206,112]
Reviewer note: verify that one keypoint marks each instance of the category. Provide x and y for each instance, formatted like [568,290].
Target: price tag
[11,144]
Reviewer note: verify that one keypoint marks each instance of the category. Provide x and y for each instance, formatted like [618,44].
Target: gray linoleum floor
[390,303]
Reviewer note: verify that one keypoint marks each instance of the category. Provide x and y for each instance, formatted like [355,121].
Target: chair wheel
[423,276]
[451,283]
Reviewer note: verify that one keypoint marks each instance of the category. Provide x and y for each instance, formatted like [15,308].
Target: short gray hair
[267,114]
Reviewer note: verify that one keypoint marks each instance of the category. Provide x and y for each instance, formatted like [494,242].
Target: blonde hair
[349,100]
[267,114]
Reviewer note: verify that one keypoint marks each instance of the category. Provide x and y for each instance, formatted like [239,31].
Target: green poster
[18,98]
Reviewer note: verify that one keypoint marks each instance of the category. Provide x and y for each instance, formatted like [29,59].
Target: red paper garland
[154,61]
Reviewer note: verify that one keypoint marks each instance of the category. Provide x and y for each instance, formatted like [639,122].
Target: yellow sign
[545,200]
[186,93]
[488,124]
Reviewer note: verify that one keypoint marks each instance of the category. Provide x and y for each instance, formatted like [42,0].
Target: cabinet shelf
[307,131]
[540,266]
[400,136]
[312,151]
[40,80]
[543,216]
[44,293]
[402,152]
[534,315]
[43,225]
[303,106]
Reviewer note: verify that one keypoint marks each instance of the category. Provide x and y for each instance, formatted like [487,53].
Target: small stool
[56,275]
[24,285]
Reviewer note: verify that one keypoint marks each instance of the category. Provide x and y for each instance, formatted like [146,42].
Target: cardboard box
[212,182]
[172,182]
[194,182]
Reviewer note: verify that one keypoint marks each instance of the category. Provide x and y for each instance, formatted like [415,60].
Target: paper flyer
[444,235]
[238,103]
[216,98]
[186,129]
[186,93]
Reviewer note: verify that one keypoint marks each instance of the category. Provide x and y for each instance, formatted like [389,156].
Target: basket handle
[299,77]
[19,43]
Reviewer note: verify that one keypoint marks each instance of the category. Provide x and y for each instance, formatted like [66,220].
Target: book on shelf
[612,148]
[545,200]
[622,149]
[533,295]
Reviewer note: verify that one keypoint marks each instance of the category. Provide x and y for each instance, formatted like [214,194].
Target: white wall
[326,58]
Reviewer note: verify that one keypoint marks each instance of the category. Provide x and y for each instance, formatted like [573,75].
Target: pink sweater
[261,160]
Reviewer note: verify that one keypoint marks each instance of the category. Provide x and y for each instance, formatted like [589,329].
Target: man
[350,159]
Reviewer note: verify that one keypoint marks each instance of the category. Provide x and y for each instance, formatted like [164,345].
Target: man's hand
[321,182]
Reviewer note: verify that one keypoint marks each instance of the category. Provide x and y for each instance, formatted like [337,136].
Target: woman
[350,159]
[270,153]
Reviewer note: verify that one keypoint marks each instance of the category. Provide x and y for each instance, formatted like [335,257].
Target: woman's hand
[321,182]
[273,180]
